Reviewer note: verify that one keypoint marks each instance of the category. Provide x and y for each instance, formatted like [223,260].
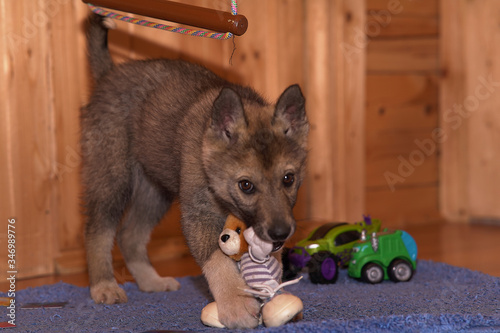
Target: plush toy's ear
[234,223]
[243,243]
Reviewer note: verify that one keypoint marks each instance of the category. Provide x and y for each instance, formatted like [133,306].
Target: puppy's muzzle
[279,231]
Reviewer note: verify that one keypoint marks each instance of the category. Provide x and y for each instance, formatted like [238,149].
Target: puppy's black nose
[279,232]
[224,237]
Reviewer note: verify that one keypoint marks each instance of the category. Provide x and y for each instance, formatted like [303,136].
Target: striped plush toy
[261,271]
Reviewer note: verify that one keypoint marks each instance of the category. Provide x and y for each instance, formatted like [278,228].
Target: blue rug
[439,298]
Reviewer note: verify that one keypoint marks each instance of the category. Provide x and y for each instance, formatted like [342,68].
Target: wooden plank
[454,159]
[401,18]
[383,26]
[289,56]
[69,82]
[335,72]
[403,55]
[27,135]
[405,7]
[406,206]
[351,122]
[320,183]
[481,51]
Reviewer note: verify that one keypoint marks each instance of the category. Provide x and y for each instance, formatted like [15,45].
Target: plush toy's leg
[210,316]
[281,309]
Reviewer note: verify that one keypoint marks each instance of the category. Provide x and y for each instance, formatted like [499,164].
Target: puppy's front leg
[236,308]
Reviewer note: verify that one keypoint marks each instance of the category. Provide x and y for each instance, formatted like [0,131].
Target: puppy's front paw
[159,284]
[240,311]
[107,292]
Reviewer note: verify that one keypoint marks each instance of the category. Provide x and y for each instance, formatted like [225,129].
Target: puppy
[158,130]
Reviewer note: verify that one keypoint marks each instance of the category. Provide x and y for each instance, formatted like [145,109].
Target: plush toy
[262,273]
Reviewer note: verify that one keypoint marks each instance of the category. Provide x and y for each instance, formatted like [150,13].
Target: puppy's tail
[97,46]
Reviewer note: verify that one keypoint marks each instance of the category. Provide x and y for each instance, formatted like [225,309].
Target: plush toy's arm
[266,291]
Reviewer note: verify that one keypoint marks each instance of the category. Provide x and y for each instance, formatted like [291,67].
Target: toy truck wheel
[372,273]
[323,268]
[400,271]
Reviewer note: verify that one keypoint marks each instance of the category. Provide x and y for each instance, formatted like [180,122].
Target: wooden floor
[476,247]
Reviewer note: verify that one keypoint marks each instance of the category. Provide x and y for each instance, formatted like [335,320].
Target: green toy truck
[326,249]
[383,256]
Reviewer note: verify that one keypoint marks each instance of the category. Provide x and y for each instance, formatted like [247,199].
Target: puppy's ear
[290,111]
[227,115]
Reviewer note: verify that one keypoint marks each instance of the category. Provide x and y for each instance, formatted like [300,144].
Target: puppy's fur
[161,129]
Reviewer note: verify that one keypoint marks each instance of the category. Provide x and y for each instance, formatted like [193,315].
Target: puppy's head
[254,156]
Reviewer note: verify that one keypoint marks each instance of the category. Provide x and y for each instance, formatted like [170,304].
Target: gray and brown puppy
[163,129]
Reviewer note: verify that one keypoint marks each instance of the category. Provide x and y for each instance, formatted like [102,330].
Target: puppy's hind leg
[149,203]
[103,218]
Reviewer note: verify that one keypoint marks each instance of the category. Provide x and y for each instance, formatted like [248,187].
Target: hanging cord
[180,30]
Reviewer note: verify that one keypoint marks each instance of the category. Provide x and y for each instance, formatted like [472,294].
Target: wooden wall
[375,89]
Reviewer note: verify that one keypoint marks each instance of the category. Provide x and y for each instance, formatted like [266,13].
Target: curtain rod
[200,17]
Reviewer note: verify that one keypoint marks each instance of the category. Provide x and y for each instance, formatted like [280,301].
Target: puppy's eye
[246,186]
[289,179]
[238,230]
